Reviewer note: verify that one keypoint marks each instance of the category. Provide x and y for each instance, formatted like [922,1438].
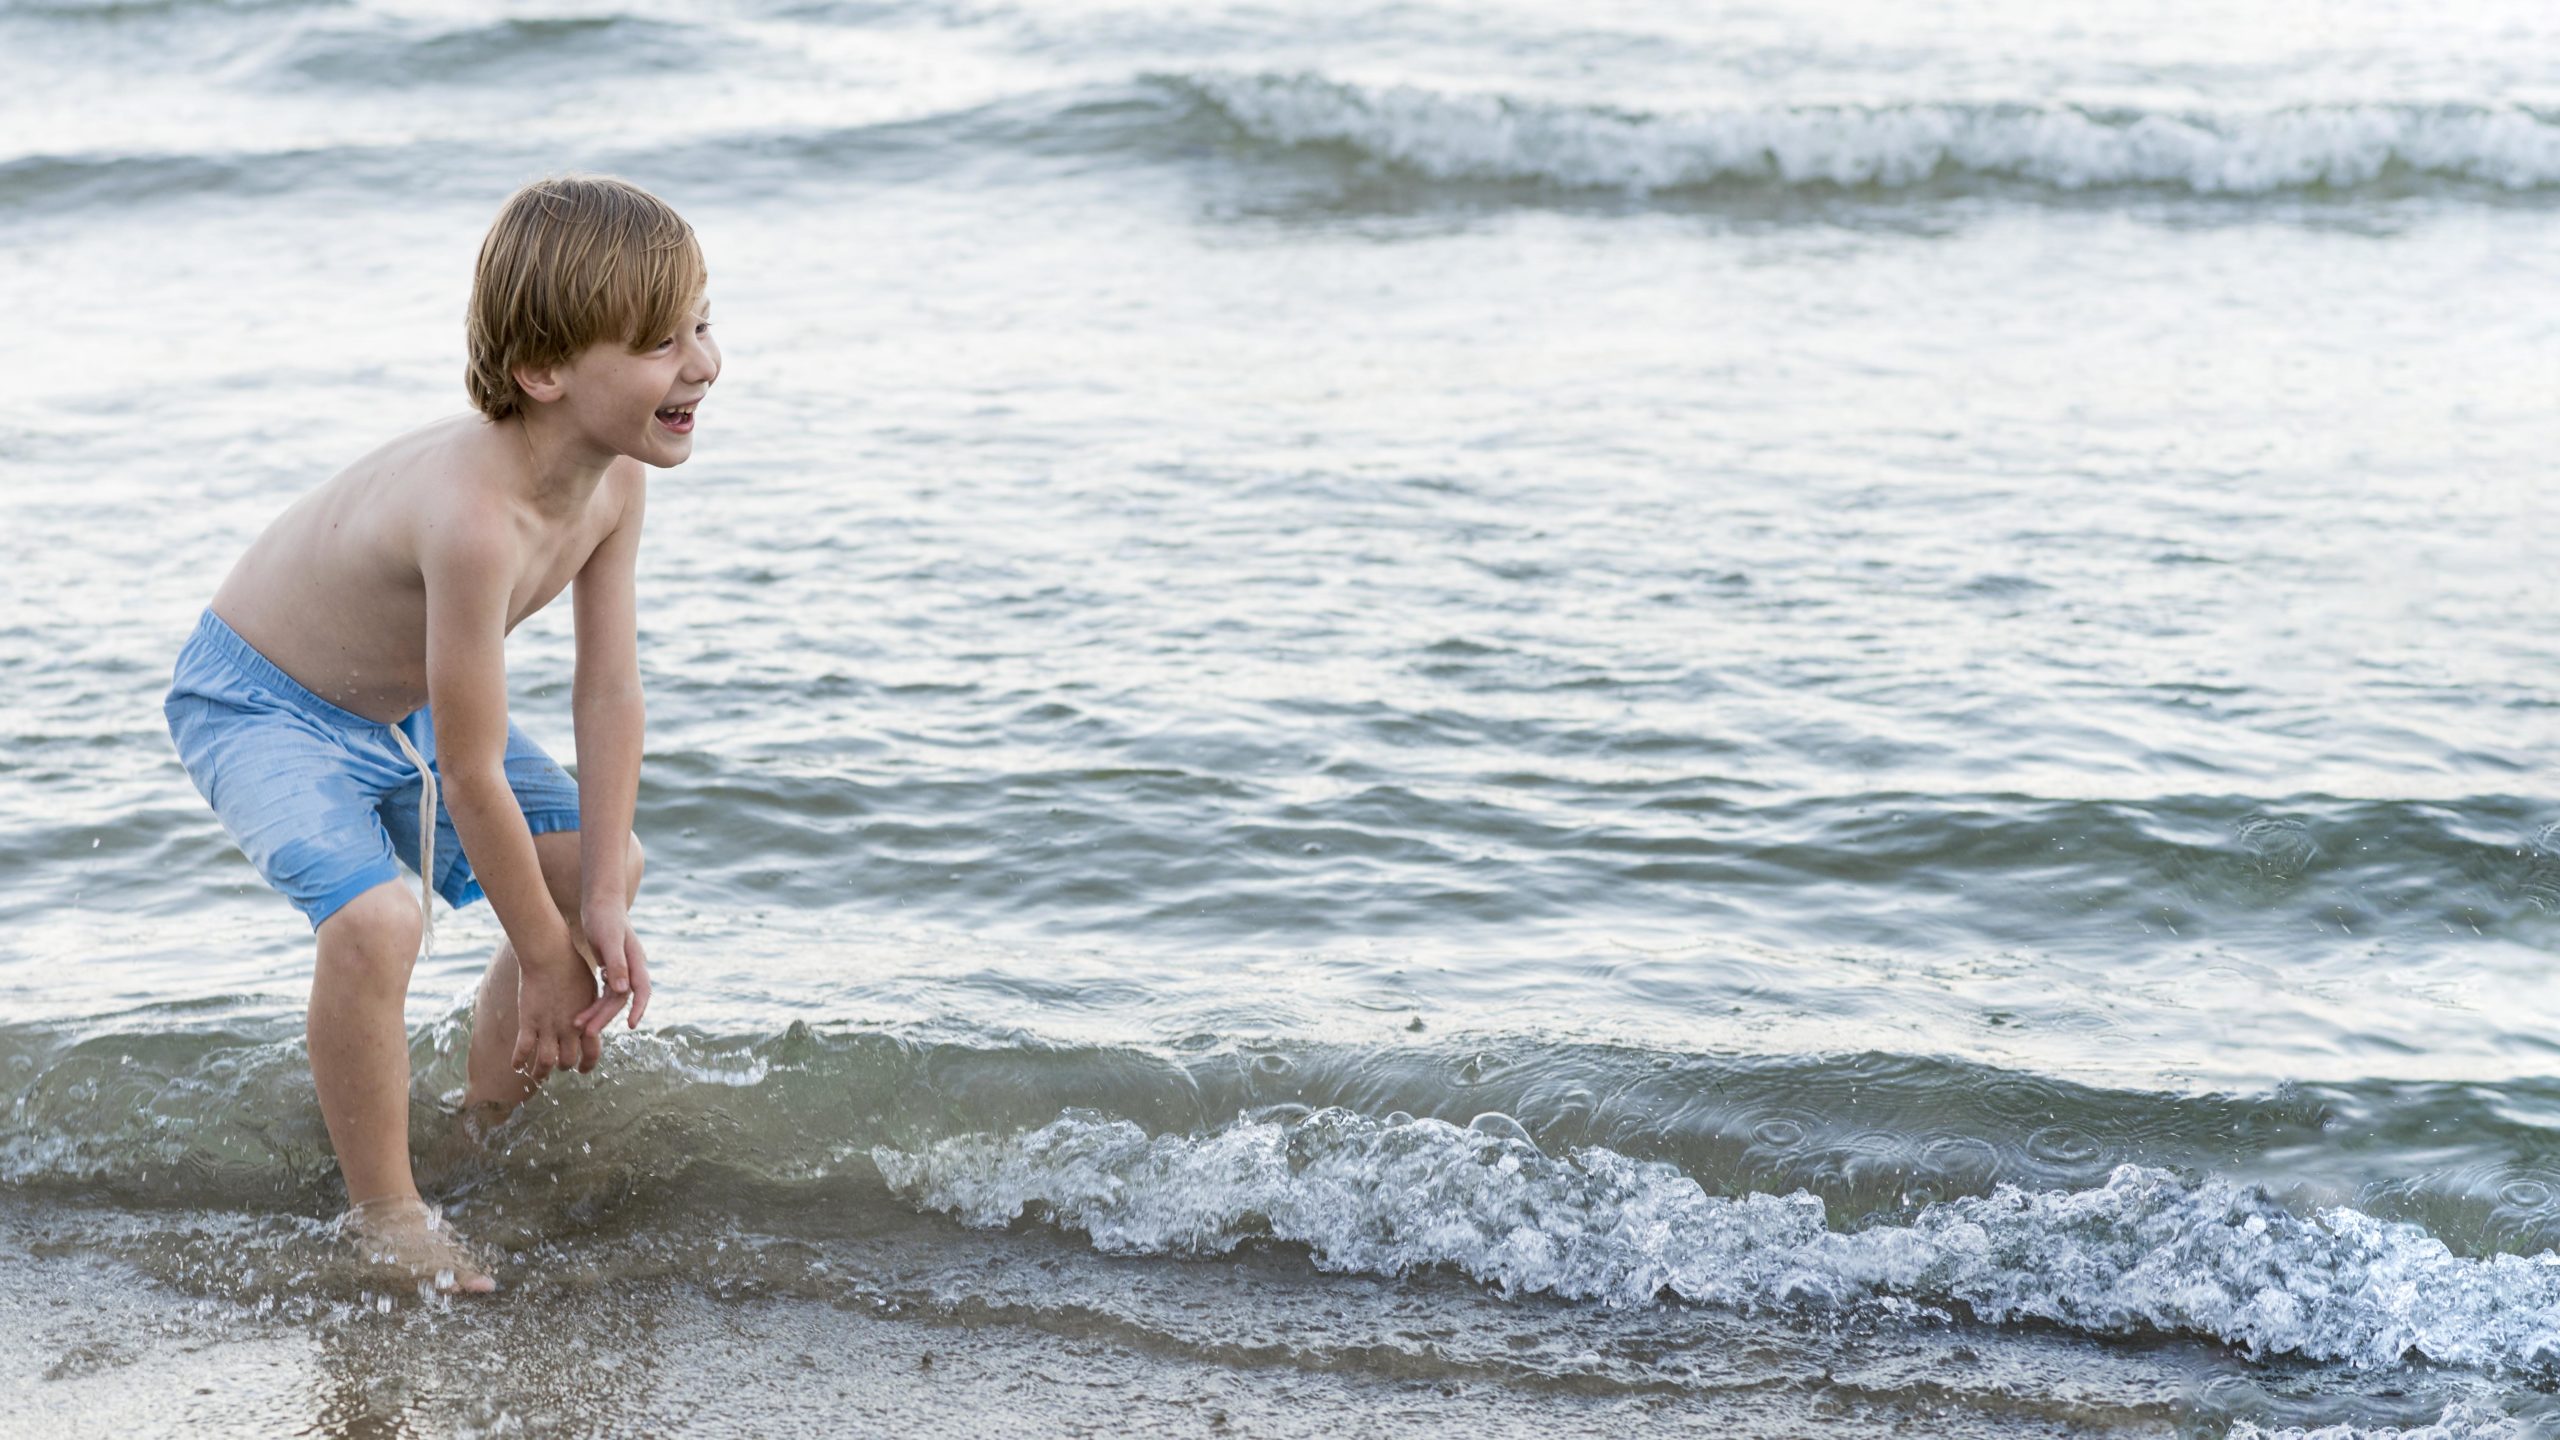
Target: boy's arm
[609,714]
[467,576]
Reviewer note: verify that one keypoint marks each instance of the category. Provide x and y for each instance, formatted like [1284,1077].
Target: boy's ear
[538,382]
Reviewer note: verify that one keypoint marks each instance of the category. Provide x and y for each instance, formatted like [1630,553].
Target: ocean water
[1369,718]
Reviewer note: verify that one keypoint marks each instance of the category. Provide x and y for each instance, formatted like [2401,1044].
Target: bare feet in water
[463,1145]
[407,1235]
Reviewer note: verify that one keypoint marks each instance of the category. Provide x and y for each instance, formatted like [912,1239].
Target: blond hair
[569,262]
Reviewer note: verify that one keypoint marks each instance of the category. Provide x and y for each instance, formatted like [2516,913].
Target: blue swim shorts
[321,799]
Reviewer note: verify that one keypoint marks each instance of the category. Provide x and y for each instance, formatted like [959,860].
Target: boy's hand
[625,967]
[553,986]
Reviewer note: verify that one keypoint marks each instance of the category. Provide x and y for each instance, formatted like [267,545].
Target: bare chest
[551,551]
[547,571]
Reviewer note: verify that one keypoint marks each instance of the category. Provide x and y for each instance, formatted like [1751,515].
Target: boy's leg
[360,1063]
[359,1045]
[493,1087]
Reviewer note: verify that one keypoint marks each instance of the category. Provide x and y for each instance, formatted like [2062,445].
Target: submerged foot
[407,1235]
[473,1121]
[463,1145]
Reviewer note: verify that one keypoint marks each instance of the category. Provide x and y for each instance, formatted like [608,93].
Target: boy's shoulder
[462,480]
[474,517]
[445,471]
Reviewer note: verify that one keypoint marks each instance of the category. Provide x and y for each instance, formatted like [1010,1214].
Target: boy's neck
[560,467]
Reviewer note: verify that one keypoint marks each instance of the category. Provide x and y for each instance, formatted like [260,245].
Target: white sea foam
[1492,137]
[2144,1250]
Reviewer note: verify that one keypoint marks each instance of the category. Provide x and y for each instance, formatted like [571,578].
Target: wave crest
[1491,137]
[2145,1250]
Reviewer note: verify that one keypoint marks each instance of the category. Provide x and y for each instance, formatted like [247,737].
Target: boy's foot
[462,1145]
[406,1234]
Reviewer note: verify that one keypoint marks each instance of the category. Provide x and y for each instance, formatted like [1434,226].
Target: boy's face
[643,405]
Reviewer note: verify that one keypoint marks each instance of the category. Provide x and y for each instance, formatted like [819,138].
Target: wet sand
[97,1349]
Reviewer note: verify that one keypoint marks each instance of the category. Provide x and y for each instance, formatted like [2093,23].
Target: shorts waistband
[217,636]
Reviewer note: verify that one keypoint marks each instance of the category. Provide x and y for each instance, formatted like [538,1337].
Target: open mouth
[678,418]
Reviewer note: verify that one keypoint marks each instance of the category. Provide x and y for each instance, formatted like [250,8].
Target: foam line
[2145,1250]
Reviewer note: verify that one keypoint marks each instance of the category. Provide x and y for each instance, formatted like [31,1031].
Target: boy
[343,707]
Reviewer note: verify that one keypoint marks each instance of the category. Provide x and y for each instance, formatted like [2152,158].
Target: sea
[1366,717]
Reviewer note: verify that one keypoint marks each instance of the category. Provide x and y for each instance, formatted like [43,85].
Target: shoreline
[100,1349]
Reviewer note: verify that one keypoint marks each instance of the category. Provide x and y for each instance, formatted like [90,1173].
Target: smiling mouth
[678,418]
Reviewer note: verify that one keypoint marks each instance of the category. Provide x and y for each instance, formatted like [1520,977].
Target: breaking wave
[2146,1250]
[1909,1187]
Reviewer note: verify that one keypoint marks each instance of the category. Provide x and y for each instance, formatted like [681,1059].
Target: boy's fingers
[617,970]
[591,1048]
[639,994]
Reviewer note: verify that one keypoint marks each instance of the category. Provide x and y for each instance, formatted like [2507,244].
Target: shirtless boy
[362,639]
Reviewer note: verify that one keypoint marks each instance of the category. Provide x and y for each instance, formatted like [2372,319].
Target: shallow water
[1396,716]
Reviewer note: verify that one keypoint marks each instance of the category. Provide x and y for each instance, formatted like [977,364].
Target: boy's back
[342,704]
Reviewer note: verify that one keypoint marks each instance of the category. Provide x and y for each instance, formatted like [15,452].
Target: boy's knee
[380,926]
[635,865]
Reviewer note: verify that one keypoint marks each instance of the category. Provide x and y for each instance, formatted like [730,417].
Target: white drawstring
[426,842]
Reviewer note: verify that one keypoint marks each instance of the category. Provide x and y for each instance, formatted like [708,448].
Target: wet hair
[569,262]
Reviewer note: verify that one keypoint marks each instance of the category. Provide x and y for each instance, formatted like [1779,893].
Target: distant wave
[49,182]
[1440,135]
[503,50]
[1417,136]
[119,11]
[2143,1251]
